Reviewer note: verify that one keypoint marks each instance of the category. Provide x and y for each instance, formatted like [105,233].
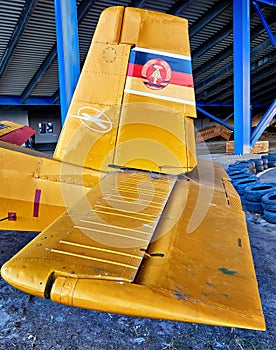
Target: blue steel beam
[67,50]
[227,52]
[215,60]
[215,104]
[39,73]
[83,8]
[138,3]
[228,117]
[265,24]
[214,118]
[242,117]
[262,80]
[31,101]
[265,91]
[268,2]
[17,33]
[179,7]
[211,14]
[55,96]
[263,123]
[216,38]
[220,104]
[259,82]
[209,81]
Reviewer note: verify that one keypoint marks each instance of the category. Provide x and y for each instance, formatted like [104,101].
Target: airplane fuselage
[36,189]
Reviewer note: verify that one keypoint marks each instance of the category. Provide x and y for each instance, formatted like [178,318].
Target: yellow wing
[151,246]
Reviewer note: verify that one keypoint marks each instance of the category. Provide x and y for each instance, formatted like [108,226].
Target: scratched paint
[180,295]
[226,271]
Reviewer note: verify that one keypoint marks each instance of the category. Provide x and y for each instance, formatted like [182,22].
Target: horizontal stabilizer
[148,245]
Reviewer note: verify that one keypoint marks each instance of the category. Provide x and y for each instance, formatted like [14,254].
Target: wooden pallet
[213,131]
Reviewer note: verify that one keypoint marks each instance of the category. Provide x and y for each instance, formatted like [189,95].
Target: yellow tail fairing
[147,246]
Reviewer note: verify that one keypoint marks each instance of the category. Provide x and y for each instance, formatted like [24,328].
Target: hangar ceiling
[28,52]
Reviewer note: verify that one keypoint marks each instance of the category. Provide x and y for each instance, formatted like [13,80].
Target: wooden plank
[260,147]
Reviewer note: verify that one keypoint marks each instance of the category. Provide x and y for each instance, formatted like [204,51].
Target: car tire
[235,178]
[270,216]
[258,162]
[259,168]
[255,192]
[242,184]
[271,157]
[237,172]
[254,207]
[269,201]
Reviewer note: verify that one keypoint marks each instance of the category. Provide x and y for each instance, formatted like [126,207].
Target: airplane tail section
[143,241]
[134,104]
[135,245]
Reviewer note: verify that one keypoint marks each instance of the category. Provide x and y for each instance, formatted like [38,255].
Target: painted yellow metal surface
[149,247]
[8,126]
[154,138]
[131,221]
[27,174]
[103,129]
[104,236]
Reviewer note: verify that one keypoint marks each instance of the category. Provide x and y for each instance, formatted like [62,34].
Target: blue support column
[222,122]
[67,50]
[265,24]
[242,117]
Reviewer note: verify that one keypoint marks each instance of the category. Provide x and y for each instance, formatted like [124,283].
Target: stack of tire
[260,165]
[269,200]
[241,184]
[253,195]
[242,175]
[269,160]
[269,206]
[256,196]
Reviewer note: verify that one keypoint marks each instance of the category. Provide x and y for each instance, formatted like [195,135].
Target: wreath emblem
[156,74]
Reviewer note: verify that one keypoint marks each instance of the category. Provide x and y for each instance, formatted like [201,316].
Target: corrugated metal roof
[31,69]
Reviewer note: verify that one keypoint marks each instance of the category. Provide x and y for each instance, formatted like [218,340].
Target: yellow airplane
[15,133]
[132,222]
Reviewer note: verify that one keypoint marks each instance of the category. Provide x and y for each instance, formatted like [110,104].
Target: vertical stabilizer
[134,103]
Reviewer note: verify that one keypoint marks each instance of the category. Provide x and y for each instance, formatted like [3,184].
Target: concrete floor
[268,175]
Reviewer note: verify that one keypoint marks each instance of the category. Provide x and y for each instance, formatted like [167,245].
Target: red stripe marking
[36,203]
[178,78]
[134,70]
[182,79]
